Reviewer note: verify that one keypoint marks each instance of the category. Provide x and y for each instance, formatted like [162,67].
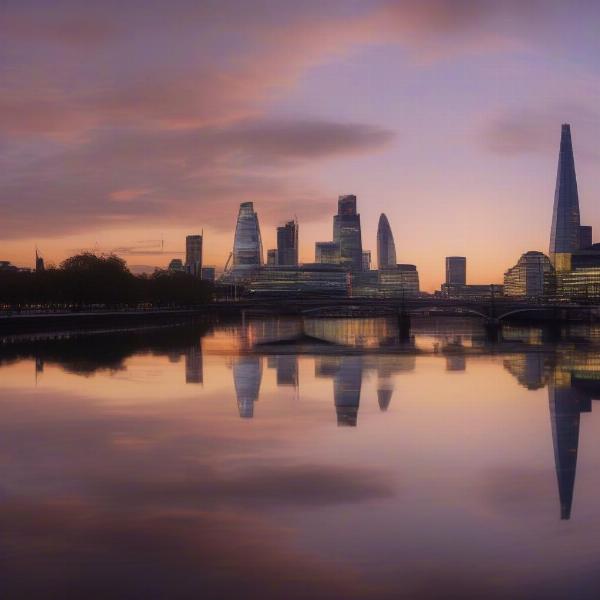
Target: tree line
[87,280]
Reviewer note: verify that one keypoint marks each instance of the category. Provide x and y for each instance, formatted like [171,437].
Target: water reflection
[113,450]
[247,375]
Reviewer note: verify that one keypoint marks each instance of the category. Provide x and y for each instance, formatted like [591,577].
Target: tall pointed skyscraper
[386,249]
[564,235]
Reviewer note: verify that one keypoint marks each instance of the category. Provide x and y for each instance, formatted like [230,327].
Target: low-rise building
[531,277]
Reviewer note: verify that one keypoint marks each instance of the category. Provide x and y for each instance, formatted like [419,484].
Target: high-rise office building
[456,270]
[272,257]
[193,255]
[209,274]
[531,277]
[347,233]
[565,232]
[386,249]
[366,260]
[585,236]
[287,244]
[327,253]
[247,243]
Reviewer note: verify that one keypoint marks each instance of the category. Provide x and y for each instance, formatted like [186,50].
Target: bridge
[497,310]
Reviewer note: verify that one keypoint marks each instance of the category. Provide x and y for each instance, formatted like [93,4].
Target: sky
[125,125]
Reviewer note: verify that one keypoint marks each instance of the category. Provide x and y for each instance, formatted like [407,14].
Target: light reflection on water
[281,459]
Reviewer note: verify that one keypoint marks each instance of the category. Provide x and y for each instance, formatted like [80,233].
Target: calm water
[276,459]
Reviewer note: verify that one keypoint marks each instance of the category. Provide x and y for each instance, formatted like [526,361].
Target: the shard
[386,249]
[564,235]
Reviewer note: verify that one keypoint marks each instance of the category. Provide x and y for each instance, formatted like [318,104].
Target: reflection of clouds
[280,486]
[515,491]
[79,550]
[138,502]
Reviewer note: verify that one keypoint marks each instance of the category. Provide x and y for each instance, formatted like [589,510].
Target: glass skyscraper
[346,232]
[564,235]
[386,249]
[456,270]
[287,244]
[247,243]
[193,255]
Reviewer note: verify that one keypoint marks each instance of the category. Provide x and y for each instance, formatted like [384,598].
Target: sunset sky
[126,122]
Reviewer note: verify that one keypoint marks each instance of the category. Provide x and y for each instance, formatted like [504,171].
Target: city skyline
[446,125]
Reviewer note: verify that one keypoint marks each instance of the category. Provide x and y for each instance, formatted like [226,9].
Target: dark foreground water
[273,460]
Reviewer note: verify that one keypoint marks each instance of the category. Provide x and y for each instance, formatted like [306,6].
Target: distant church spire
[564,235]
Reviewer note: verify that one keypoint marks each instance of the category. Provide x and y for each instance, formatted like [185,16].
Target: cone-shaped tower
[386,249]
[564,235]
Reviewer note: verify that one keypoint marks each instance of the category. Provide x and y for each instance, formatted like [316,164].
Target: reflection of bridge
[496,310]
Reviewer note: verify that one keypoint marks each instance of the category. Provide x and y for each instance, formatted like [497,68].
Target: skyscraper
[346,232]
[327,253]
[193,255]
[247,243]
[456,270]
[386,249]
[366,260]
[287,244]
[564,235]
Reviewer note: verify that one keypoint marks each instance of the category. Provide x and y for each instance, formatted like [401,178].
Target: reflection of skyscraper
[386,249]
[456,362]
[287,370]
[385,389]
[193,364]
[346,232]
[193,255]
[565,407]
[564,235]
[529,368]
[247,375]
[247,243]
[346,390]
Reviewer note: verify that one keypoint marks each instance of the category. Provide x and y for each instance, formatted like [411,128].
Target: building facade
[386,248]
[403,281]
[287,244]
[193,255]
[531,277]
[247,242]
[272,257]
[347,233]
[327,253]
[366,260]
[456,270]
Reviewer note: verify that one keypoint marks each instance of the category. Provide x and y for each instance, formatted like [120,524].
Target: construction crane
[228,261]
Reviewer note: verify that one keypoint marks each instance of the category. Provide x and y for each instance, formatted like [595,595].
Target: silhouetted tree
[88,279]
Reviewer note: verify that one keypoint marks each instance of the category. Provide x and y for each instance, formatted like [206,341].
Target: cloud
[116,176]
[537,130]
